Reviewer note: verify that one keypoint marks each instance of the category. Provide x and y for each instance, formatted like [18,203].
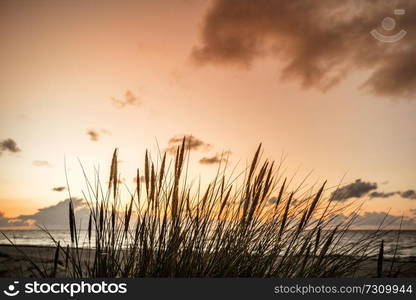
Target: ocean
[407,241]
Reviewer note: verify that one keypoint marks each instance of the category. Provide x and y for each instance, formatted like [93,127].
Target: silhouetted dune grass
[230,229]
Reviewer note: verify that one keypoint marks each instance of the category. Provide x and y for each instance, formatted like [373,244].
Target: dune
[15,263]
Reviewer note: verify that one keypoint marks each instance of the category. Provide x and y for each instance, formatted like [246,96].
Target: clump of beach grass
[230,229]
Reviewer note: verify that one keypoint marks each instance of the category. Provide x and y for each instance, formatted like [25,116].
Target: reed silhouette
[232,228]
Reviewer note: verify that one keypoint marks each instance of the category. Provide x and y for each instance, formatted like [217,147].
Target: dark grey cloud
[356,189]
[409,194]
[377,194]
[59,189]
[53,217]
[129,99]
[362,188]
[215,159]
[192,143]
[9,145]
[41,163]
[319,42]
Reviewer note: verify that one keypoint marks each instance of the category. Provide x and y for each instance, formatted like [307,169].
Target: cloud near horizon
[409,194]
[52,217]
[9,145]
[320,42]
[56,217]
[374,219]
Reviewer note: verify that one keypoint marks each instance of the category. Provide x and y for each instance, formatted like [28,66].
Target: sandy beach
[15,263]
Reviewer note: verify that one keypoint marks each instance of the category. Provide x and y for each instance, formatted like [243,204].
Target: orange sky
[63,61]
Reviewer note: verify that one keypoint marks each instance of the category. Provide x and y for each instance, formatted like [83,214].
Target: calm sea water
[37,237]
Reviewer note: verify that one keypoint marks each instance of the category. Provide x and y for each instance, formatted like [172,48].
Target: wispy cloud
[319,42]
[59,189]
[9,145]
[215,159]
[41,163]
[192,143]
[377,194]
[129,99]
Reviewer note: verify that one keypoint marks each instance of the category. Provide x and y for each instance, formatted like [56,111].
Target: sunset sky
[305,78]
